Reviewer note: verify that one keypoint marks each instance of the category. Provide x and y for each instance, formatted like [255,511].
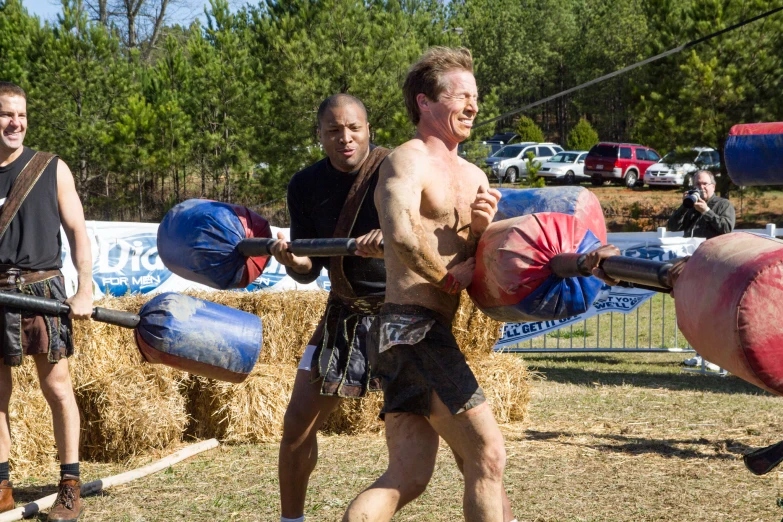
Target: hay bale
[128,406]
[32,440]
[251,411]
[289,319]
[506,384]
[476,333]
[356,416]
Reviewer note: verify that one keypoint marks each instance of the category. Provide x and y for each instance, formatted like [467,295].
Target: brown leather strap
[22,186]
[16,279]
[353,204]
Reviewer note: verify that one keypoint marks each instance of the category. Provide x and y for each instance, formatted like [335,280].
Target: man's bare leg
[474,435]
[57,390]
[5,401]
[306,413]
[413,448]
[508,515]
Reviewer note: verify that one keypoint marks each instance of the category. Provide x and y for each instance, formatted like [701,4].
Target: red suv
[619,162]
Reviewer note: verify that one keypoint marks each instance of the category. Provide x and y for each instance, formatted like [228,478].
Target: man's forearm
[416,253]
[81,255]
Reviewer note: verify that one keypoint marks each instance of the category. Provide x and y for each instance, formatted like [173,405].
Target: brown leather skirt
[29,333]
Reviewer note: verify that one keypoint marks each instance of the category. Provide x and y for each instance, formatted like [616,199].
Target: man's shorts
[414,353]
[29,333]
[306,363]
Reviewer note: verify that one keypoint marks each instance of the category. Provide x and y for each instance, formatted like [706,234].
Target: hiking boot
[68,505]
[6,496]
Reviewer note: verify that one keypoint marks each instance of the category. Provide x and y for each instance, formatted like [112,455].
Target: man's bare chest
[448,202]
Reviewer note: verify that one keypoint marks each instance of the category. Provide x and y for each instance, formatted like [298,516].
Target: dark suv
[623,163]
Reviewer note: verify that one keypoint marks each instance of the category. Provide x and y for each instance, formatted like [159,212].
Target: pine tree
[582,136]
[529,131]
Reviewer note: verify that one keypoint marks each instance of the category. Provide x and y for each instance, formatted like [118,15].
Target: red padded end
[255,226]
[749,129]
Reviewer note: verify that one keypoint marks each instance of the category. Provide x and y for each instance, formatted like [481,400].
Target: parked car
[510,162]
[567,166]
[623,163]
[500,140]
[676,169]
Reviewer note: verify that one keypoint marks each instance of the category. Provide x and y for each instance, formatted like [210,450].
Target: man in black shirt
[30,262]
[332,198]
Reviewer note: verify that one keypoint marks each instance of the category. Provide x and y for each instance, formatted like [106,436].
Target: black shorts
[414,353]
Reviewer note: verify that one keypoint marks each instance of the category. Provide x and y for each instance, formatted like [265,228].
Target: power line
[630,67]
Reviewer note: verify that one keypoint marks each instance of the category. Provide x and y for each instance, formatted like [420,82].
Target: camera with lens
[691,197]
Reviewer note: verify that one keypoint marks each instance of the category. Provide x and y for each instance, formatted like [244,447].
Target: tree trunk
[141,195]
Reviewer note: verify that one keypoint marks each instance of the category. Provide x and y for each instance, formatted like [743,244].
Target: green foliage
[582,136]
[226,110]
[529,131]
[532,168]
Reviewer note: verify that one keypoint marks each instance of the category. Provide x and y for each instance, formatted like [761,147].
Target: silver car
[676,169]
[567,166]
[510,162]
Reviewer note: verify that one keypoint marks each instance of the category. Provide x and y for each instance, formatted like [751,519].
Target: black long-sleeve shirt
[717,220]
[315,198]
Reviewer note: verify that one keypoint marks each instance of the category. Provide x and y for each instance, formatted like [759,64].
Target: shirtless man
[434,206]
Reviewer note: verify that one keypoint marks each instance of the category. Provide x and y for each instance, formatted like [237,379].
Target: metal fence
[652,327]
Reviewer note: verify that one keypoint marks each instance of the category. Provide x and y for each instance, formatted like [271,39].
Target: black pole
[642,273]
[327,247]
[47,306]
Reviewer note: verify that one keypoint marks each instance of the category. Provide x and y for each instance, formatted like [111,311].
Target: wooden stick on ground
[95,486]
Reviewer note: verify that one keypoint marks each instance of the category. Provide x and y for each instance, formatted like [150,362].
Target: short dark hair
[426,76]
[11,89]
[339,100]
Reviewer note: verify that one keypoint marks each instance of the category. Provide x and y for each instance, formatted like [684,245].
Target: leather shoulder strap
[350,211]
[22,186]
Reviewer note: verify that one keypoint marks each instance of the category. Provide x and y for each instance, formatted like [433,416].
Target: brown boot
[6,496]
[68,505]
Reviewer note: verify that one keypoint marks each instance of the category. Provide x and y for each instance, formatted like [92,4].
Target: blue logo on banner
[130,265]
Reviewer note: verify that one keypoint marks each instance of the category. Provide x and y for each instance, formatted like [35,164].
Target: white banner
[611,299]
[125,260]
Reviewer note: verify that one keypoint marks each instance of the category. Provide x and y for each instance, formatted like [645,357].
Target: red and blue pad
[199,337]
[728,306]
[513,280]
[754,154]
[197,240]
[575,201]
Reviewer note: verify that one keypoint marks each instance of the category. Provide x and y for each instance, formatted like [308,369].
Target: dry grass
[607,438]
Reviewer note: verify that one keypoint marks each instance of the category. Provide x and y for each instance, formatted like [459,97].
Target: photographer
[702,213]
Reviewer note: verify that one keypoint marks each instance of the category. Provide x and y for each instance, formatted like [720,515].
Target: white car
[567,166]
[510,162]
[676,169]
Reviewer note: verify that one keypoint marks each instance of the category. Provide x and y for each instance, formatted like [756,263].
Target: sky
[49,9]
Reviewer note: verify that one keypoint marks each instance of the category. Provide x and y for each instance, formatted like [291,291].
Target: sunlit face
[706,185]
[345,136]
[13,122]
[457,106]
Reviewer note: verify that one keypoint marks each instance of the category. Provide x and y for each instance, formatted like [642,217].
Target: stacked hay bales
[130,407]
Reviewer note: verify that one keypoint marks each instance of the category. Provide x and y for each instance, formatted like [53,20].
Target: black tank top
[32,240]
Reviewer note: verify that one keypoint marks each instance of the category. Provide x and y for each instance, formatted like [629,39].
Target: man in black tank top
[30,262]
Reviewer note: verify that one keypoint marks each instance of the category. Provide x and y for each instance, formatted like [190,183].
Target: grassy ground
[612,437]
